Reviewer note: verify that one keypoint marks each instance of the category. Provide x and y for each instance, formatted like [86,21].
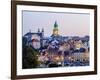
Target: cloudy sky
[69,24]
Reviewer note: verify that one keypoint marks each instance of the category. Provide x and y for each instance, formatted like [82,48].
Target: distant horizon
[68,24]
[61,35]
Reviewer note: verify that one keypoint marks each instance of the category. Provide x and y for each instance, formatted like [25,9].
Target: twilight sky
[69,24]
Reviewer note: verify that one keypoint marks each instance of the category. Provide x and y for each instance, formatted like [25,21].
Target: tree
[29,57]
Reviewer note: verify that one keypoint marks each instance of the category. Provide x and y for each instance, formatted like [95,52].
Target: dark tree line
[29,58]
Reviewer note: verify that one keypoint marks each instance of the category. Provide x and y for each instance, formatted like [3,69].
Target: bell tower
[55,30]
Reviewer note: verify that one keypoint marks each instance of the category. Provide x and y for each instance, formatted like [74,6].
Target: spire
[55,30]
[42,32]
[42,29]
[38,30]
[55,24]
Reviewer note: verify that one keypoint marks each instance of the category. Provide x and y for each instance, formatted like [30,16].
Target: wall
[5,37]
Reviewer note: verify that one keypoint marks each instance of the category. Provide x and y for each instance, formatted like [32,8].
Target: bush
[29,57]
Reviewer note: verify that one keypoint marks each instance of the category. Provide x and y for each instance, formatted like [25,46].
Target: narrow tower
[42,32]
[55,30]
[38,30]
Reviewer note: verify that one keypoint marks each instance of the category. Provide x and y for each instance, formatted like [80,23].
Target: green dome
[55,25]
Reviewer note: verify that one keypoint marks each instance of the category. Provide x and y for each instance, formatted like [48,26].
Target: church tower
[55,30]
[42,32]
